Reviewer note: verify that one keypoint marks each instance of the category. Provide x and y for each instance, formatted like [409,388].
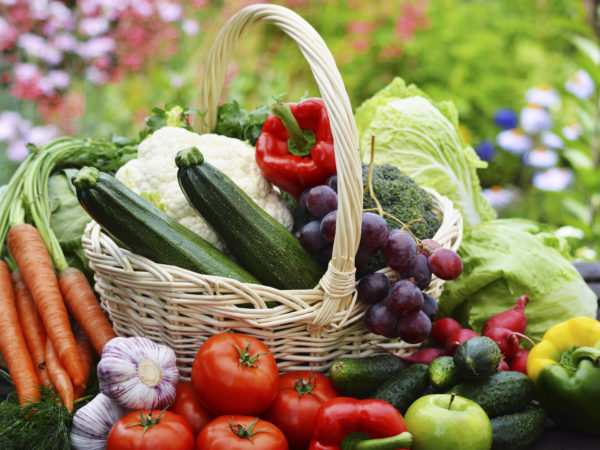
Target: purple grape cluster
[398,310]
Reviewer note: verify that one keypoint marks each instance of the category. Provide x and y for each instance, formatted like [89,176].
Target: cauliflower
[153,175]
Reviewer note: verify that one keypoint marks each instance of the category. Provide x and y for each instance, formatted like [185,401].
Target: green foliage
[235,122]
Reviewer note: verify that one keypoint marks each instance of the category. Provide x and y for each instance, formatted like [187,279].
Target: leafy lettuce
[422,139]
[506,258]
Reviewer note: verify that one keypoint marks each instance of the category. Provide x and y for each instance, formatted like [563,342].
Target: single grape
[320,200]
[332,182]
[323,255]
[413,328]
[419,272]
[445,264]
[363,256]
[430,307]
[374,230]
[310,237]
[405,297]
[400,250]
[381,319]
[302,202]
[430,244]
[328,225]
[373,288]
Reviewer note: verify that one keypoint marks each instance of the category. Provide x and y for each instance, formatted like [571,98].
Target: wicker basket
[309,328]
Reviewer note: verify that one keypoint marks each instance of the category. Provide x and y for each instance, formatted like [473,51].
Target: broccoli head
[401,197]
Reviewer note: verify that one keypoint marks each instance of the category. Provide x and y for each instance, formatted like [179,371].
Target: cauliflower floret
[154,175]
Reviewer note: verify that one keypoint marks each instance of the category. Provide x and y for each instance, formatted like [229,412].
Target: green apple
[437,423]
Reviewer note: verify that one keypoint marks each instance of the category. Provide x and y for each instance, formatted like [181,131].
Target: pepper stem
[586,352]
[301,141]
[402,440]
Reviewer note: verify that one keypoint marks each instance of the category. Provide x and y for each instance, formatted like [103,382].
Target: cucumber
[358,377]
[259,243]
[442,373]
[519,430]
[404,388]
[477,358]
[146,230]
[502,393]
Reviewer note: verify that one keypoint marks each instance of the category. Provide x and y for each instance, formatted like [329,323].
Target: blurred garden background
[524,75]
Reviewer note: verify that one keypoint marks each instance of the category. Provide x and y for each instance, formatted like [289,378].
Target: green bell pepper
[565,367]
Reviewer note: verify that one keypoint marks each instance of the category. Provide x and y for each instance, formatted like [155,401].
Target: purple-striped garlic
[92,423]
[138,373]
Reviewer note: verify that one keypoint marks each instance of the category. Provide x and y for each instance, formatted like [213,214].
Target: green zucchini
[259,243]
[146,230]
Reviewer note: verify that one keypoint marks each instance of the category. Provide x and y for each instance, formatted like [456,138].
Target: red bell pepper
[343,415]
[295,148]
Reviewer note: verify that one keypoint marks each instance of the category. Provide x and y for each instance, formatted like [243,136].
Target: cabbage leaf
[421,138]
[506,258]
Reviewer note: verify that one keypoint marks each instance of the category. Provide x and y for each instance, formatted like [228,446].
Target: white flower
[51,55]
[9,123]
[65,42]
[190,27]
[555,179]
[17,151]
[33,44]
[499,197]
[96,47]
[586,253]
[541,157]
[535,119]
[580,85]
[177,81]
[96,75]
[61,16]
[8,2]
[515,141]
[38,9]
[551,140]
[58,79]
[27,72]
[569,232]
[41,134]
[93,26]
[170,12]
[543,96]
[572,131]
[142,8]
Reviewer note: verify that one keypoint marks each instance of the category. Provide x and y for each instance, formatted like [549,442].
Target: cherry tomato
[236,432]
[294,410]
[235,374]
[186,404]
[151,430]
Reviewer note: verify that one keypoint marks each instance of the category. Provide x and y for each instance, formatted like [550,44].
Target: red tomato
[235,374]
[151,430]
[294,410]
[235,432]
[186,404]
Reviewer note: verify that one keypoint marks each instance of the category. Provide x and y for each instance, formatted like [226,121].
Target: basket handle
[338,282]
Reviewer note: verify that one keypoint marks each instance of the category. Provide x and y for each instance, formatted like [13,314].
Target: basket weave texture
[309,328]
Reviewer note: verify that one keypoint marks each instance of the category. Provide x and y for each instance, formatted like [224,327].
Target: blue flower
[506,118]
[485,150]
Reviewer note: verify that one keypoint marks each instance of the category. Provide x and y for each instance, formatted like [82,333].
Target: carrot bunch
[36,338]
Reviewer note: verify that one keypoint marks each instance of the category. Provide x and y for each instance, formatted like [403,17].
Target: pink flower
[59,78]
[96,47]
[360,26]
[413,16]
[95,75]
[190,27]
[65,42]
[142,8]
[361,44]
[17,151]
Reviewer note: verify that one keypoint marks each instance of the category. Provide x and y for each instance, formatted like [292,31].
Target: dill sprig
[41,425]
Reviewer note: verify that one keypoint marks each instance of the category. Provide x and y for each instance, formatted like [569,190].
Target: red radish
[424,356]
[441,329]
[503,366]
[457,338]
[507,340]
[513,318]
[519,362]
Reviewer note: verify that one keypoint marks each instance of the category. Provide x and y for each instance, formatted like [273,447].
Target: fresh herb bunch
[235,122]
[42,425]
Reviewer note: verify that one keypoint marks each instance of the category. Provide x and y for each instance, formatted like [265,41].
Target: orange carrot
[27,247]
[13,345]
[87,354]
[32,326]
[84,306]
[59,376]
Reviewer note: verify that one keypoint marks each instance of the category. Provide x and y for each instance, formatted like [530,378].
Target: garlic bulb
[138,373]
[92,423]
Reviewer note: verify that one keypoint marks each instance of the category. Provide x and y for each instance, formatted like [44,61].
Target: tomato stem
[148,421]
[245,358]
[244,432]
[305,387]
